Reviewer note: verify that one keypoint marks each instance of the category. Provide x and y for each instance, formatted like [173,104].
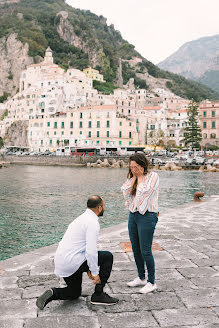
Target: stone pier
[186,252]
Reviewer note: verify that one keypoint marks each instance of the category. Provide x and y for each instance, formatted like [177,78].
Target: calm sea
[38,202]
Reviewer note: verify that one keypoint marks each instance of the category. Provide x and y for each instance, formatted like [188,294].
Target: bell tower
[48,56]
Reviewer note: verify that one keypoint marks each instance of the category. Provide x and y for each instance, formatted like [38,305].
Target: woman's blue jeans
[141,232]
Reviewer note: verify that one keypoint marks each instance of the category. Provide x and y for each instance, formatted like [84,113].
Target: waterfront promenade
[187,268]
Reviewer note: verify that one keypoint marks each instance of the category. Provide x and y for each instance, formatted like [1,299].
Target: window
[63,125]
[54,133]
[130,123]
[98,124]
[81,115]
[205,135]
[89,124]
[48,123]
[130,142]
[120,134]
[98,134]
[213,136]
[204,125]
[213,113]
[120,123]
[50,142]
[107,124]
[55,125]
[62,133]
[108,114]
[107,134]
[205,114]
[80,124]
[41,142]
[120,142]
[71,125]
[71,132]
[130,135]
[213,124]
[89,134]
[47,133]
[80,132]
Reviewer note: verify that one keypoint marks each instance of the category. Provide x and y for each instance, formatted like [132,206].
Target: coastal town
[54,109]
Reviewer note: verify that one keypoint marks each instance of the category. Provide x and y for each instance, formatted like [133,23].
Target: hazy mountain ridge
[78,39]
[198,60]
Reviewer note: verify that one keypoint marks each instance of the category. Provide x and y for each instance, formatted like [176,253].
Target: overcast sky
[157,28]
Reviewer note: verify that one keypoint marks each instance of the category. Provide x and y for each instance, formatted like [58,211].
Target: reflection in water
[37,203]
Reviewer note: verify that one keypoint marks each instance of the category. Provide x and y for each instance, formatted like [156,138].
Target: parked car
[200,160]
[216,163]
[190,161]
[210,161]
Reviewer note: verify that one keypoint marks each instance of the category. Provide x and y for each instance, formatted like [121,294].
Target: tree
[192,132]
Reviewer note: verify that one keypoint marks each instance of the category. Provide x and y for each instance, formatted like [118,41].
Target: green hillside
[35,22]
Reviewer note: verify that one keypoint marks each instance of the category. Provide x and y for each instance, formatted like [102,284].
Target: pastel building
[86,126]
[209,122]
[93,74]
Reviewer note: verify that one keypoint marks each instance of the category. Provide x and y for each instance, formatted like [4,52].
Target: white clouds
[157,28]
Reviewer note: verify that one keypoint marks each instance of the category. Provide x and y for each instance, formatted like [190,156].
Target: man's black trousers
[74,282]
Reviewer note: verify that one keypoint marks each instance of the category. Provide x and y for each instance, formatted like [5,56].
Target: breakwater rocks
[4,164]
[111,163]
[169,166]
[208,168]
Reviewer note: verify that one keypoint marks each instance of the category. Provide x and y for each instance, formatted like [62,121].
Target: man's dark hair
[94,201]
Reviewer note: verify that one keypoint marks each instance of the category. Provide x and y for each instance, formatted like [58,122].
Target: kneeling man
[77,253]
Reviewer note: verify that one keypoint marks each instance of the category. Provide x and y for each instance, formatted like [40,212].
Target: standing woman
[141,198]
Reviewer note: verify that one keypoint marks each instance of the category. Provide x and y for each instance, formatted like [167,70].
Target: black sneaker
[44,299]
[103,299]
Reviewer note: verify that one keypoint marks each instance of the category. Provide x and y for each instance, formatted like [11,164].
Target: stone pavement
[187,269]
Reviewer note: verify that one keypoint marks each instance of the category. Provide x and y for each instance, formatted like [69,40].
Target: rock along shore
[93,162]
[187,270]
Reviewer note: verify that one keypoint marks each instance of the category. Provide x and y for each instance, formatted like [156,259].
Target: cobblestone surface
[187,272]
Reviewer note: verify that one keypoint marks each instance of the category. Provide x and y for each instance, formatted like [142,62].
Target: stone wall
[58,160]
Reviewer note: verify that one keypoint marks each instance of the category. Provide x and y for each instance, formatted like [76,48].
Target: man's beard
[101,213]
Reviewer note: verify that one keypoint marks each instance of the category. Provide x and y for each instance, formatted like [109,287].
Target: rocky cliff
[13,58]
[66,31]
[17,134]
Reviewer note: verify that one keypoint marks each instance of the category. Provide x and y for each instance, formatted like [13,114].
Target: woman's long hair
[141,160]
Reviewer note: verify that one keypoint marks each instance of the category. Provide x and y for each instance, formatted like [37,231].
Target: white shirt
[79,244]
[146,198]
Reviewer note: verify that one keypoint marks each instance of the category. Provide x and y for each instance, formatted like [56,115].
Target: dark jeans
[74,282]
[141,232]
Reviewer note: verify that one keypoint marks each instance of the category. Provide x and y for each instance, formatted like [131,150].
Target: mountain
[78,38]
[197,60]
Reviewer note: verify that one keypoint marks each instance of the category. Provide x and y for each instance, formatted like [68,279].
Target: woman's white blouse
[146,198]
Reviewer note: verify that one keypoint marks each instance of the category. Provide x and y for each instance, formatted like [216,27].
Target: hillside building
[209,122]
[93,74]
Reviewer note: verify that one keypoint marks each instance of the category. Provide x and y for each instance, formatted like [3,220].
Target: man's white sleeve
[92,234]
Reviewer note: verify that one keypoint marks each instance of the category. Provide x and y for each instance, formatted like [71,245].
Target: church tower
[48,59]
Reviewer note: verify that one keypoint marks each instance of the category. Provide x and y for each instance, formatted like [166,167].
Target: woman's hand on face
[138,171]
